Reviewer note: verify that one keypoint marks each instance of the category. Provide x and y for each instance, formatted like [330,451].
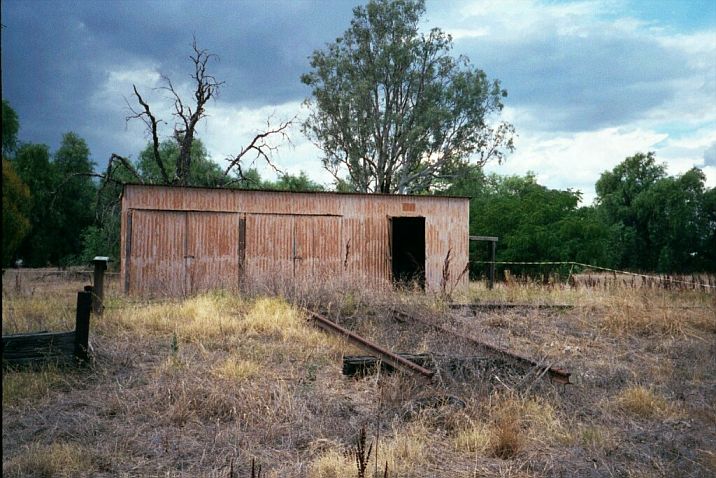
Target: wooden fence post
[82,321]
[492,264]
[100,265]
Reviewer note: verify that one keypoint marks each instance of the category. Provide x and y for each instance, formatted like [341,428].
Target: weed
[174,344]
[255,471]
[507,437]
[362,455]
[403,453]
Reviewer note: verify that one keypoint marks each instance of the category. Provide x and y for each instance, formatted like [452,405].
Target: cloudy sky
[589,82]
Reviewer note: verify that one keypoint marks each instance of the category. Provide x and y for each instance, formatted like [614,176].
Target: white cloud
[693,150]
[575,160]
[710,172]
[114,97]
[230,128]
[461,33]
[590,85]
[710,155]
[587,65]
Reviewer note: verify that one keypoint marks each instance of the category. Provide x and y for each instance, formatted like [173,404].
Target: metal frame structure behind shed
[177,241]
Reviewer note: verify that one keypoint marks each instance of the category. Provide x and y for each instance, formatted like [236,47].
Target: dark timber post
[491,265]
[100,265]
[82,320]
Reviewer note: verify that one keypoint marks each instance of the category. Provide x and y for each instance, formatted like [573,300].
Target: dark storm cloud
[57,55]
[262,46]
[579,74]
[578,83]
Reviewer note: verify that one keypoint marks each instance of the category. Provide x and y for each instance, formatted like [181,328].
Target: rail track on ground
[485,356]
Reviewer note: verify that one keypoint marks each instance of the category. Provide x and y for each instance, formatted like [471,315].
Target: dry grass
[44,299]
[594,437]
[186,387]
[478,438]
[56,459]
[24,387]
[404,452]
[558,293]
[510,424]
[643,402]
[237,370]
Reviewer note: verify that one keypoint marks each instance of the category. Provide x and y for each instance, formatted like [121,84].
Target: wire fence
[50,282]
[558,269]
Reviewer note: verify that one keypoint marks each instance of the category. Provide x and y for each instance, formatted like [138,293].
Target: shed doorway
[408,250]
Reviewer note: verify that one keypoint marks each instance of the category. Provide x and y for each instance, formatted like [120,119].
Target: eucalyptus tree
[393,110]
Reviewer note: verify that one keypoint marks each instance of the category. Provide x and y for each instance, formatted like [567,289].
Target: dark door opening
[408,250]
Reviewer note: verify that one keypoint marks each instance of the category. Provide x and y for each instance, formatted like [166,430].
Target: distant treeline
[642,219]
[56,212]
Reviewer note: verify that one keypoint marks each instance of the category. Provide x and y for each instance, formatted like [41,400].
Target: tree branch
[261,146]
[152,126]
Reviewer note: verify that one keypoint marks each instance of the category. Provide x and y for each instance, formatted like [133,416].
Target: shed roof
[218,188]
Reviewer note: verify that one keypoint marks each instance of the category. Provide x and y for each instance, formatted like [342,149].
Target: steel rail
[556,374]
[387,356]
[497,305]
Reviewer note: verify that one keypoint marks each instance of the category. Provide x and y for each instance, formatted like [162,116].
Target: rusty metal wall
[294,236]
[269,245]
[175,253]
[212,251]
[158,244]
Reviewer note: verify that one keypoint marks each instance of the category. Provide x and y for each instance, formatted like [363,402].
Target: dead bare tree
[261,147]
[188,113]
[187,116]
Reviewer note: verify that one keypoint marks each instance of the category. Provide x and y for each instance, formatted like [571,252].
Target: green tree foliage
[15,212]
[394,110]
[15,193]
[74,196]
[202,170]
[290,182]
[63,200]
[709,217]
[103,238]
[32,164]
[10,128]
[286,182]
[533,223]
[619,195]
[662,221]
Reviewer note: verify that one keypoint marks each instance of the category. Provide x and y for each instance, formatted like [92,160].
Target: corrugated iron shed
[178,241]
